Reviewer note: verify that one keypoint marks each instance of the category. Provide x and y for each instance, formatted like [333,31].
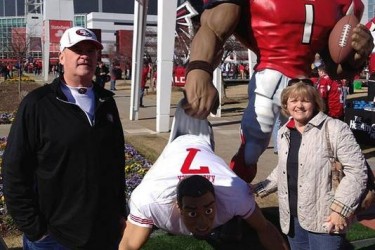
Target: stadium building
[21,31]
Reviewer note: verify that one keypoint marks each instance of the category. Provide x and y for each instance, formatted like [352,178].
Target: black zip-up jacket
[63,176]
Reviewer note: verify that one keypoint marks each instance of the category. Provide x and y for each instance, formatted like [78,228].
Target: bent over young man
[173,197]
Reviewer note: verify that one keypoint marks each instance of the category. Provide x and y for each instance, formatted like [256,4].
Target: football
[340,38]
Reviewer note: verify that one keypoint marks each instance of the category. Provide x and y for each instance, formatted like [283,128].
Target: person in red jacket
[145,71]
[179,75]
[332,93]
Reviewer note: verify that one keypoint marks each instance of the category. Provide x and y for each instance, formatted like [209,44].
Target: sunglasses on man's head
[306,81]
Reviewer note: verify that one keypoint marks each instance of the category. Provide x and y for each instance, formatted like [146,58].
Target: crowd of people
[6,70]
[10,70]
[63,166]
[235,70]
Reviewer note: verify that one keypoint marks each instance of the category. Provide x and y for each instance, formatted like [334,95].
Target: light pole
[3,8]
[100,6]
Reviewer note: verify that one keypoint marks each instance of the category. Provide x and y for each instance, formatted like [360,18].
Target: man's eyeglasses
[306,81]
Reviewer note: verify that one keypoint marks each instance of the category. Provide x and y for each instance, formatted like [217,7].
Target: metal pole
[140,19]
[3,8]
[16,8]
[46,50]
[100,6]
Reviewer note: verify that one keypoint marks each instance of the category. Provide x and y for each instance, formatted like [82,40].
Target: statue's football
[340,38]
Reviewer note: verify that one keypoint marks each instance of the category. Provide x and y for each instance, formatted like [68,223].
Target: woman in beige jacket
[312,215]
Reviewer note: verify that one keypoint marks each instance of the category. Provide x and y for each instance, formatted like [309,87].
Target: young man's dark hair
[193,186]
[322,67]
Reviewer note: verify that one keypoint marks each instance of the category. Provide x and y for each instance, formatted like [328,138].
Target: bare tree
[19,48]
[112,55]
[150,51]
[232,45]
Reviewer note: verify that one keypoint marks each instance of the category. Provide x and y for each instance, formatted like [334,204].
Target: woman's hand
[335,223]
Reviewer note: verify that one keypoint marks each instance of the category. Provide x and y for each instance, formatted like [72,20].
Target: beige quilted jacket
[315,196]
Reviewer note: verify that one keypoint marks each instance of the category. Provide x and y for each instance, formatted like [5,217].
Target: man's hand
[216,25]
[362,43]
[201,95]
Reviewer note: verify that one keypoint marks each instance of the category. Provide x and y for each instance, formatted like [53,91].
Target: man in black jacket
[101,74]
[63,167]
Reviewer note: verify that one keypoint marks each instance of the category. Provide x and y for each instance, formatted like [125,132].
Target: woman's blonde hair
[303,90]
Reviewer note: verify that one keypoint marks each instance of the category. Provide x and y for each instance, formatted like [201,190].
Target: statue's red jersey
[286,35]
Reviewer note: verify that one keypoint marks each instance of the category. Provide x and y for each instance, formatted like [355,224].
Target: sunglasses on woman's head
[306,81]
